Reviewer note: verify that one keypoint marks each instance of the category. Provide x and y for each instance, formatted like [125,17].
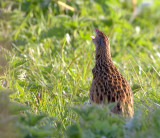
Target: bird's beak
[93,37]
[96,30]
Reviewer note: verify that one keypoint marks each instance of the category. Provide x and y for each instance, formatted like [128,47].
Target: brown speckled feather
[108,84]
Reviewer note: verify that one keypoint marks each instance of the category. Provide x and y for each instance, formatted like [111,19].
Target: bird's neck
[103,55]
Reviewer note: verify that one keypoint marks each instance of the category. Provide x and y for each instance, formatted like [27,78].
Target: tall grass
[49,56]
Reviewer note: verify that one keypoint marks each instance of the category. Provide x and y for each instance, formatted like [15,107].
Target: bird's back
[108,85]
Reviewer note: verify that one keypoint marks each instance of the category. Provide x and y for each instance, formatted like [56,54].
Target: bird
[108,85]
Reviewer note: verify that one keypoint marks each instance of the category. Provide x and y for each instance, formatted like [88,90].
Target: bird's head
[100,40]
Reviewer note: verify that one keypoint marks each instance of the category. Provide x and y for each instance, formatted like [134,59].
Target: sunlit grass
[53,55]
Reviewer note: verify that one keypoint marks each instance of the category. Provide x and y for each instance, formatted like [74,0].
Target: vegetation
[46,58]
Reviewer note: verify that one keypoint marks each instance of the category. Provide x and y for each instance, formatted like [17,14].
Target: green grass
[47,49]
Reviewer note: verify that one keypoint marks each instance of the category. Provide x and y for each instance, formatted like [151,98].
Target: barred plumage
[108,84]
